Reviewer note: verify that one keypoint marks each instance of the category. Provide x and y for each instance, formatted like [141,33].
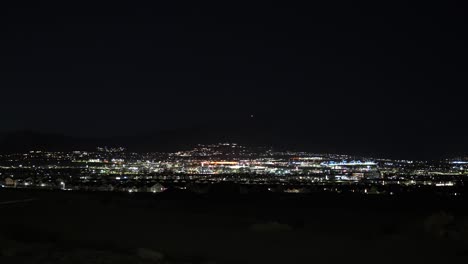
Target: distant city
[244,169]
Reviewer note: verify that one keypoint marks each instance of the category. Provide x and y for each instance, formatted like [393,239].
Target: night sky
[383,71]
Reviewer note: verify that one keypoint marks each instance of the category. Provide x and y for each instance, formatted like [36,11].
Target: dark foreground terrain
[180,227]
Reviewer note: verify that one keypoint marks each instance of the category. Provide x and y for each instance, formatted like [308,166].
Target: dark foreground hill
[72,227]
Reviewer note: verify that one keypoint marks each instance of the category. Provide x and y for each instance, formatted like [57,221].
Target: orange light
[224,162]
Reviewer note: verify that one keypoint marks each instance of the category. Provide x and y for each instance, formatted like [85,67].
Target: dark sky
[115,70]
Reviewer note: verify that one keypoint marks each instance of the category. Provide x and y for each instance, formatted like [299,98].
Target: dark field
[73,227]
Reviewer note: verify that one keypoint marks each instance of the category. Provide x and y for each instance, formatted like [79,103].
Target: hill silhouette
[279,136]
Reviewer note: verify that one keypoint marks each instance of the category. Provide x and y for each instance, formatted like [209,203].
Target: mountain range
[284,137]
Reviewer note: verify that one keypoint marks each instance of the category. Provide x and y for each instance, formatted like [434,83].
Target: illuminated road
[17,201]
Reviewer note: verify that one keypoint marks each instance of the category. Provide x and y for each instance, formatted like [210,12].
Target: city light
[114,169]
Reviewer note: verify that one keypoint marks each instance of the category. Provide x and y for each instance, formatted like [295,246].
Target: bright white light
[445,184]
